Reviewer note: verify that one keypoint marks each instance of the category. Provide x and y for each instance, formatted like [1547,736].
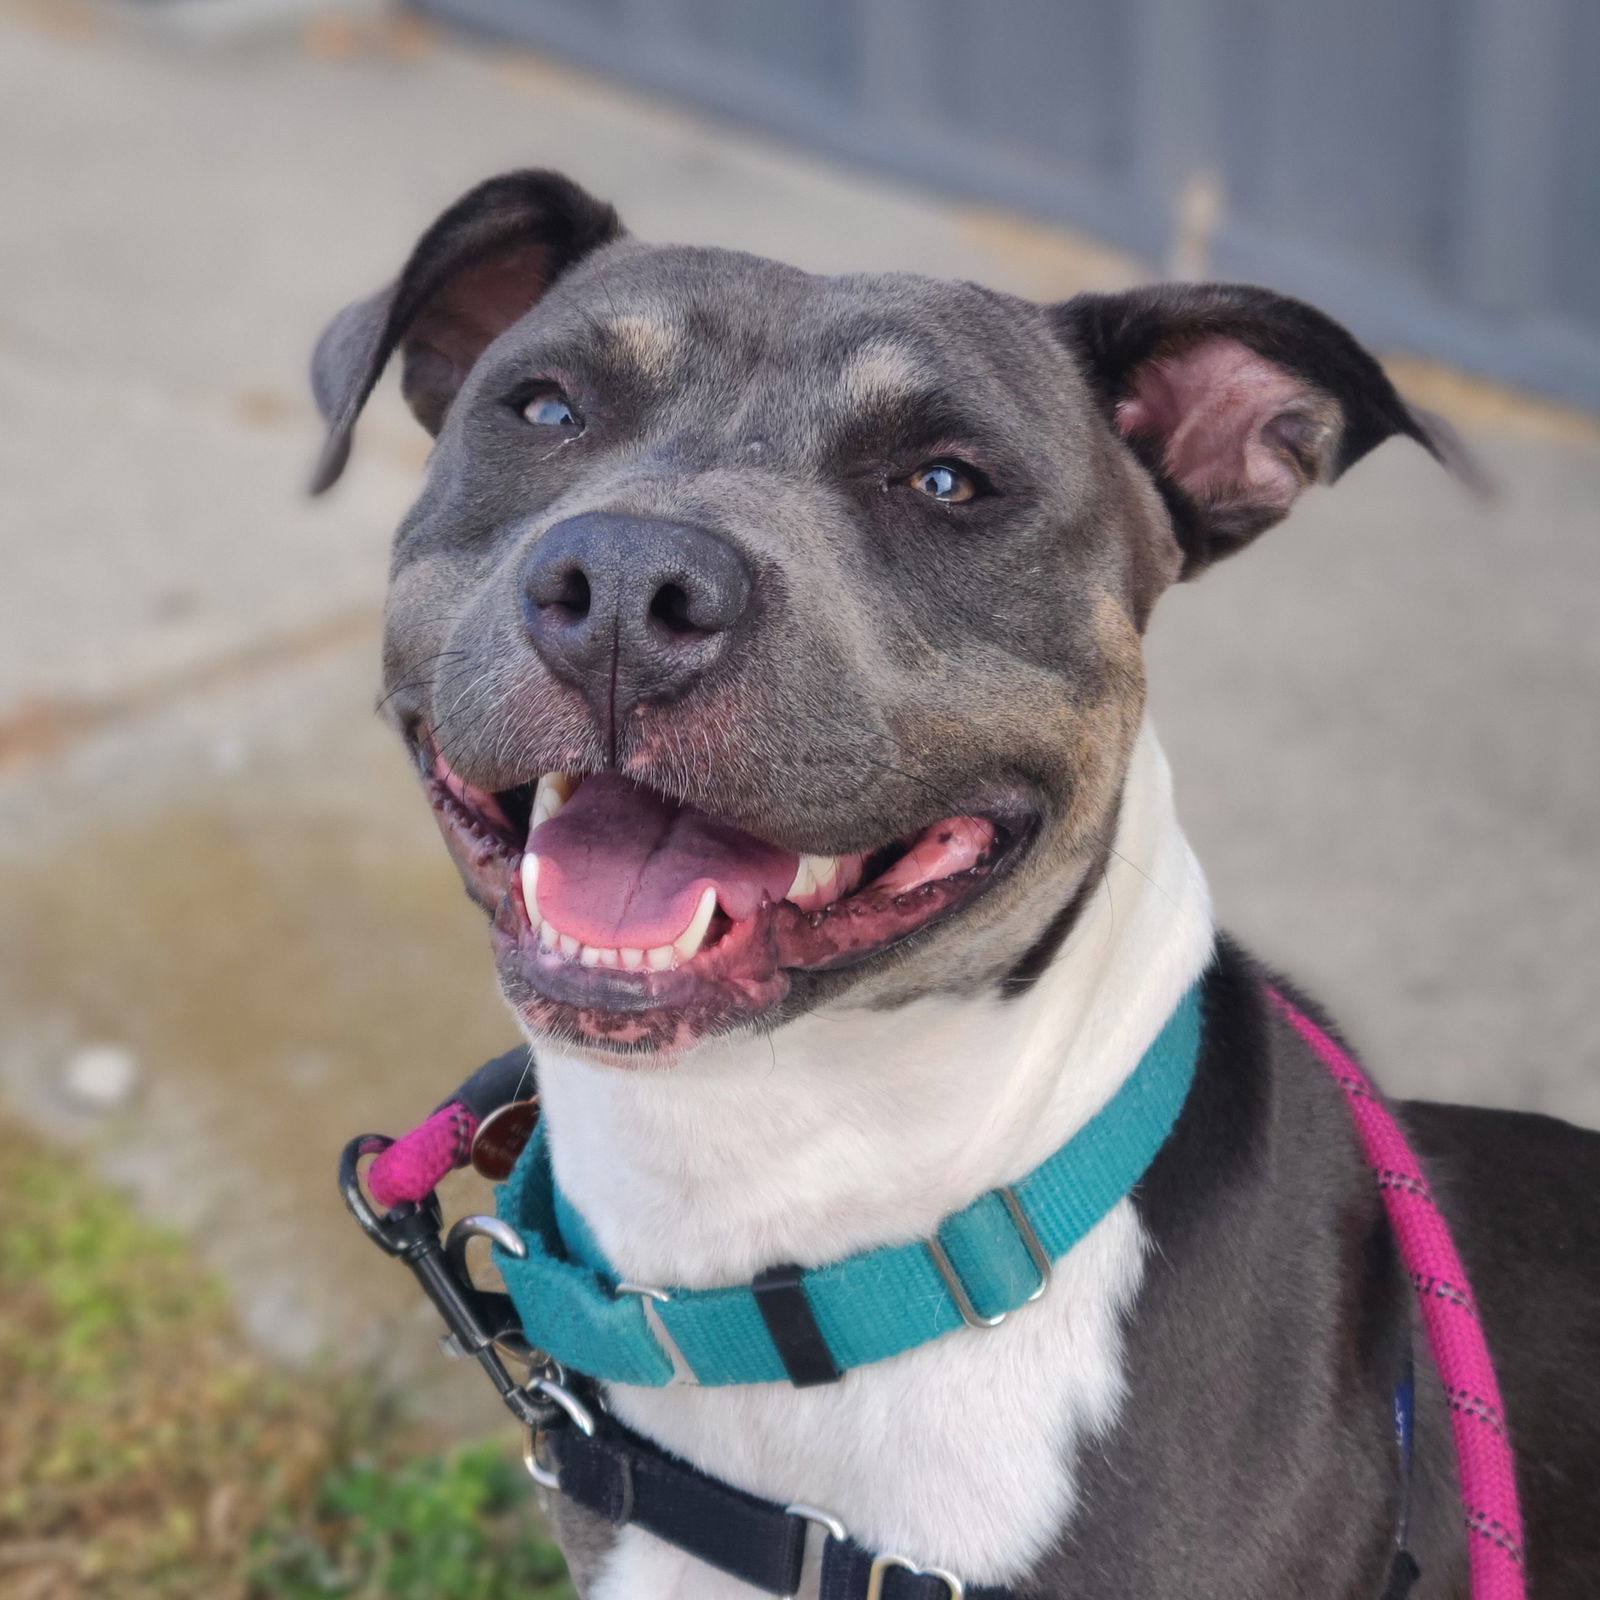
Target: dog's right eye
[547,407]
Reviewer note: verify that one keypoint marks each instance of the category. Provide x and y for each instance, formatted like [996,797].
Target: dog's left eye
[947,481]
[549,408]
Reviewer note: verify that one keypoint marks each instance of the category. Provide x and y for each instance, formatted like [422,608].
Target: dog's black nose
[627,609]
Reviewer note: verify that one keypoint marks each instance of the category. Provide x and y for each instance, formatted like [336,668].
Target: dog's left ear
[1236,399]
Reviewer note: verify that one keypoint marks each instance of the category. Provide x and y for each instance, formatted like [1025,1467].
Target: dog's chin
[630,928]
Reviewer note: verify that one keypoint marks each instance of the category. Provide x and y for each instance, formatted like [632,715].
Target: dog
[798,619]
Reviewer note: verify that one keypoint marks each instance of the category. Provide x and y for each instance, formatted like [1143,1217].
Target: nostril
[574,597]
[565,593]
[670,608]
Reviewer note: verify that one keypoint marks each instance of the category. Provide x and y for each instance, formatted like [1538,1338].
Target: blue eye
[549,408]
[945,481]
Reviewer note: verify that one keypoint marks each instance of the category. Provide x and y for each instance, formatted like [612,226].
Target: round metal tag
[502,1136]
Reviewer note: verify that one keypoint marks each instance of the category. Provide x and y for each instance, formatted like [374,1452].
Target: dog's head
[766,639]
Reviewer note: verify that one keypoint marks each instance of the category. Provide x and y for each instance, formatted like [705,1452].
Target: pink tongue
[622,868]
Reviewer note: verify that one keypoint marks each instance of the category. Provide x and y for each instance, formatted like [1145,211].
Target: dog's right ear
[478,269]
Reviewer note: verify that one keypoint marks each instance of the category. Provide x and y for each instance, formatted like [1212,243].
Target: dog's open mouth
[627,919]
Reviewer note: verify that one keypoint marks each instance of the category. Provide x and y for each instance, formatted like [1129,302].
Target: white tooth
[632,960]
[687,944]
[659,959]
[530,887]
[610,957]
[547,936]
[553,791]
[590,956]
[814,874]
[568,946]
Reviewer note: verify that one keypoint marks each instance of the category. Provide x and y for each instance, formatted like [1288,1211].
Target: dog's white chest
[844,1133]
[959,1453]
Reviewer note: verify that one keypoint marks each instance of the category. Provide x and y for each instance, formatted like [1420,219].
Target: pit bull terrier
[770,648]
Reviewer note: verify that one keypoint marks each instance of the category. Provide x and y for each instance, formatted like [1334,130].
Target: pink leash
[1450,1316]
[411,1167]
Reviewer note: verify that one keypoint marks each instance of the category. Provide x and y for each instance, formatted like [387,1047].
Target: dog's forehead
[871,335]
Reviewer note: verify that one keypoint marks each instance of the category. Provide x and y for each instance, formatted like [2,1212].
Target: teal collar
[983,1262]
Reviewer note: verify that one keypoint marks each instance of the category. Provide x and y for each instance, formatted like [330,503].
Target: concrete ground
[229,937]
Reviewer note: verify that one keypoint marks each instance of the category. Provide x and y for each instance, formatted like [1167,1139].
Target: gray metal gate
[1428,170]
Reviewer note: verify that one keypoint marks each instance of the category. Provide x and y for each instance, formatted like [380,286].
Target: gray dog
[770,647]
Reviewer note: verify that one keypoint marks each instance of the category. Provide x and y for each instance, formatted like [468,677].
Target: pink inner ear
[481,302]
[1234,429]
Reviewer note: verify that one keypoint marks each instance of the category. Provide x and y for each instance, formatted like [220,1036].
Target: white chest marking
[852,1129]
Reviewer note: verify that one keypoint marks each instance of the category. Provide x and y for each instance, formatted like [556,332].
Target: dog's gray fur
[905,660]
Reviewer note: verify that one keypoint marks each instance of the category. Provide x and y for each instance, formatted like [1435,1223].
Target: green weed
[145,1456]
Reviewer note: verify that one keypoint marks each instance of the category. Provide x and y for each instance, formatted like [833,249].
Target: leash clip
[478,1322]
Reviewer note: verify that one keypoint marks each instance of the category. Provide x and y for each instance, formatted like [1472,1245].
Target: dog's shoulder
[1522,1193]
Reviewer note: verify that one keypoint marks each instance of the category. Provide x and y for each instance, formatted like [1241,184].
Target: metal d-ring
[577,1413]
[541,1474]
[881,1565]
[514,1346]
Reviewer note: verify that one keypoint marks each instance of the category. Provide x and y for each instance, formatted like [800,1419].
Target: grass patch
[145,1454]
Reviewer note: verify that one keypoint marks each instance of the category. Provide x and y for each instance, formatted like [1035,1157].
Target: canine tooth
[553,791]
[632,960]
[687,944]
[568,946]
[547,936]
[530,887]
[660,958]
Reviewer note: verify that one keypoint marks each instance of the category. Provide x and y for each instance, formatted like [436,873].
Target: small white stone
[102,1077]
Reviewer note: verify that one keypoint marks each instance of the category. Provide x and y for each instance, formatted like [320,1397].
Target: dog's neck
[853,1128]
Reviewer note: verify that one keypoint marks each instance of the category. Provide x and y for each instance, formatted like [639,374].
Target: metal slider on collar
[952,1279]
